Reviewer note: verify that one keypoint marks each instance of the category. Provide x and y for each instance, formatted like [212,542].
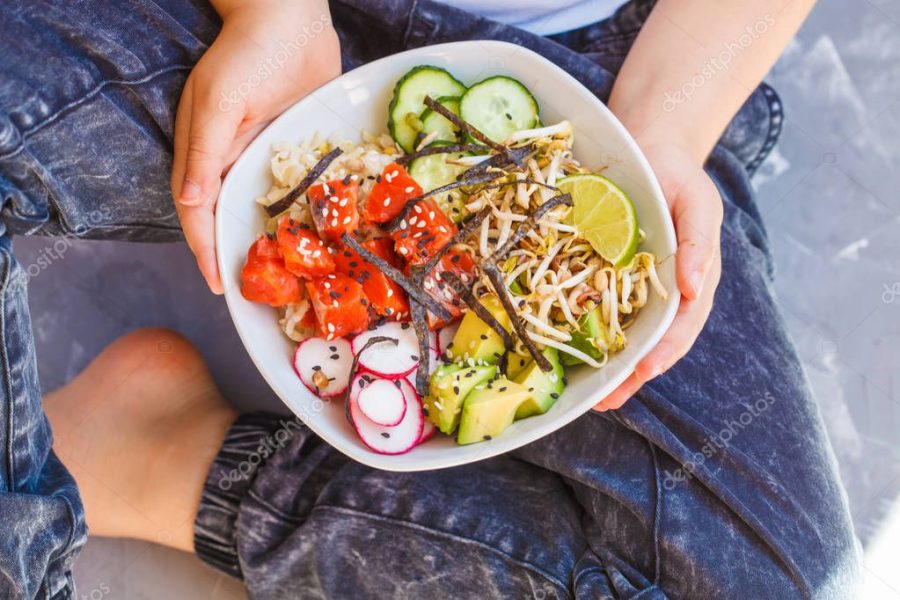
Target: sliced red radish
[389,360]
[427,432]
[324,365]
[445,336]
[391,440]
[382,401]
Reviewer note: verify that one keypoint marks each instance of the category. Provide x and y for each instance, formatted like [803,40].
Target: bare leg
[139,429]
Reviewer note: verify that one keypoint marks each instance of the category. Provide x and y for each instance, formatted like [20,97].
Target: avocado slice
[476,339]
[489,409]
[449,386]
[516,363]
[590,327]
[544,388]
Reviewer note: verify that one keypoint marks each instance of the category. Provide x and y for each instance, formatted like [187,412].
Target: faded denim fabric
[715,481]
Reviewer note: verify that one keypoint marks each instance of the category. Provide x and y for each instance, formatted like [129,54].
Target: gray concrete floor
[830,198]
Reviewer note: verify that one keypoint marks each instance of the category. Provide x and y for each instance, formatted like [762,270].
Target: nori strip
[469,129]
[420,323]
[525,226]
[285,203]
[429,150]
[433,305]
[526,180]
[394,223]
[354,366]
[514,155]
[496,279]
[478,308]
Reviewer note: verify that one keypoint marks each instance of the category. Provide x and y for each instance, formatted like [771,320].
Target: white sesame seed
[417,208]
[387,201]
[394,173]
[324,212]
[347,219]
[402,250]
[326,285]
[421,224]
[332,198]
[343,202]
[317,254]
[331,328]
[409,190]
[334,212]
[431,215]
[412,221]
[334,222]
[390,292]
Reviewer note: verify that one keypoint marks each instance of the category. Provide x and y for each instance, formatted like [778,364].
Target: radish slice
[389,360]
[445,336]
[324,365]
[432,367]
[427,432]
[391,440]
[382,402]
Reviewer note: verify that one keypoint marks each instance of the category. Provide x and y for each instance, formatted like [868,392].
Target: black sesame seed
[565,381]
[332,348]
[554,395]
[483,336]
[508,116]
[521,362]
[334,356]
[347,253]
[378,179]
[347,180]
[316,368]
[414,357]
[450,345]
[503,389]
[353,263]
[385,434]
[456,390]
[334,295]
[531,389]
[487,438]
[404,325]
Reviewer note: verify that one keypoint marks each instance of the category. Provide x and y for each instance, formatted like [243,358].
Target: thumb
[211,133]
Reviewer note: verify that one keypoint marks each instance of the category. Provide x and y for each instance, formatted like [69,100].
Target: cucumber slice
[409,101]
[432,172]
[498,106]
[432,121]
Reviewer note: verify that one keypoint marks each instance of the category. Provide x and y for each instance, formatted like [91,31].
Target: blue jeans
[714,481]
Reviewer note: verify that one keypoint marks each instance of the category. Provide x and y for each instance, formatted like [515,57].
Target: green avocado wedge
[489,409]
[449,386]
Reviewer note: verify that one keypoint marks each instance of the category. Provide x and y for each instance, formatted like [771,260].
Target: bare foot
[139,429]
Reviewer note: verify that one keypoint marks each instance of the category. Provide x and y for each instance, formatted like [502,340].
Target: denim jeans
[715,481]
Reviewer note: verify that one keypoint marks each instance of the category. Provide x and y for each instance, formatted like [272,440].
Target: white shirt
[543,17]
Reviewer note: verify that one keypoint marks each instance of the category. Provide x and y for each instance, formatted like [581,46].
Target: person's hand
[696,208]
[268,55]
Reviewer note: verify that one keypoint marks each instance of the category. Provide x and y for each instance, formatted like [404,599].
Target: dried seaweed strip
[478,308]
[496,278]
[429,150]
[420,323]
[410,287]
[285,203]
[394,223]
[467,128]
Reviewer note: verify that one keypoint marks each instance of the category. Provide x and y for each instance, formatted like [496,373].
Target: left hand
[696,208]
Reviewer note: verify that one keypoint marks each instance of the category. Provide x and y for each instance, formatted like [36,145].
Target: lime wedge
[603,215]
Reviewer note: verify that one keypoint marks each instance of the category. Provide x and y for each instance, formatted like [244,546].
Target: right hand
[268,55]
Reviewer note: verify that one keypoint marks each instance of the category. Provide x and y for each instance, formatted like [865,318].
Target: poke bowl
[435,259]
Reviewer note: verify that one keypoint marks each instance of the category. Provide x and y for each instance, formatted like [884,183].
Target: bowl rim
[498,446]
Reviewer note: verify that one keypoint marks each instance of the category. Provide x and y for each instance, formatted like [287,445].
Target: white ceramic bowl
[357,101]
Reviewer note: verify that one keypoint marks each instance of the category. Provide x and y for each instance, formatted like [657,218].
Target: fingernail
[696,282]
[190,193]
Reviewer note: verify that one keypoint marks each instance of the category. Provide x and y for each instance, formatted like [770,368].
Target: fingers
[683,332]
[210,136]
[688,323]
[697,213]
[203,136]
